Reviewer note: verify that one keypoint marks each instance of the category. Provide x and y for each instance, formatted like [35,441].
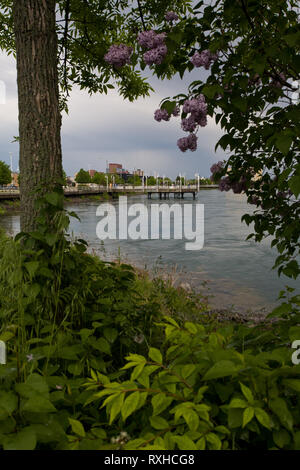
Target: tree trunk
[39,114]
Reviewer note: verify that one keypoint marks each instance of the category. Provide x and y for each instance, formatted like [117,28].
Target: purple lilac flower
[202,121]
[161,115]
[150,39]
[155,56]
[186,143]
[118,55]
[195,105]
[216,167]
[171,16]
[225,184]
[189,124]
[204,58]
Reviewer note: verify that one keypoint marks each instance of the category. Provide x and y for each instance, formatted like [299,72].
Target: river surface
[234,272]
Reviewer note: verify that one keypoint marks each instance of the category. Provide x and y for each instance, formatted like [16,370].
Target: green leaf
[39,404]
[53,198]
[247,393]
[184,443]
[32,267]
[160,402]
[294,384]
[77,427]
[8,402]
[191,418]
[281,438]
[22,440]
[159,423]
[130,405]
[248,415]
[214,441]
[102,345]
[279,407]
[240,103]
[294,185]
[137,371]
[115,406]
[292,39]
[222,368]
[168,106]
[238,403]
[283,143]
[155,355]
[262,417]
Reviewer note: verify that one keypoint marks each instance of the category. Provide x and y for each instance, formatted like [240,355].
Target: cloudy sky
[101,128]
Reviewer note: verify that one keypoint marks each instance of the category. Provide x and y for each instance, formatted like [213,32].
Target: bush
[63,314]
[208,390]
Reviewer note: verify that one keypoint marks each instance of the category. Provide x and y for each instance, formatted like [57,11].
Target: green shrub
[205,391]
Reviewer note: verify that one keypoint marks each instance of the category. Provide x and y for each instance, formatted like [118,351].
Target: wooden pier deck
[163,192]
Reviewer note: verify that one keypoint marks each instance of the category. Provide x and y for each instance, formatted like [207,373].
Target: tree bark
[39,114]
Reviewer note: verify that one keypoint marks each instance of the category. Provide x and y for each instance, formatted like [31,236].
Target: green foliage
[5,174]
[83,176]
[135,180]
[64,313]
[99,178]
[211,388]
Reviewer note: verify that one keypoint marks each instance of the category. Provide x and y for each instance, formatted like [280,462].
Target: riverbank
[13,206]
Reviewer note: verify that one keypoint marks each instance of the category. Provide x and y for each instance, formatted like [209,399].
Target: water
[238,272]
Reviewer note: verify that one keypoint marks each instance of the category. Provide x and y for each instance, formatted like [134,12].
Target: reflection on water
[238,272]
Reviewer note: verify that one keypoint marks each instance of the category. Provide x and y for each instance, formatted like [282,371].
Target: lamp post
[106,182]
[198,182]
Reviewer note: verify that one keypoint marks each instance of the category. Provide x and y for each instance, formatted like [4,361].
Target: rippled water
[238,272]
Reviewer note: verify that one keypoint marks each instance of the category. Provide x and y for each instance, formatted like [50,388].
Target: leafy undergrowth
[99,357]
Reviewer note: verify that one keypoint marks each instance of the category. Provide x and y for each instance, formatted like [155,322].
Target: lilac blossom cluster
[155,43]
[197,108]
[225,183]
[237,187]
[216,168]
[171,16]
[118,55]
[163,115]
[204,58]
[187,143]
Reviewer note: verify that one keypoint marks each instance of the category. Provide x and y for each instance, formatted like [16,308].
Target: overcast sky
[101,128]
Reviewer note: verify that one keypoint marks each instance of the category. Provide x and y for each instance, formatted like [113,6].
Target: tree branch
[141,14]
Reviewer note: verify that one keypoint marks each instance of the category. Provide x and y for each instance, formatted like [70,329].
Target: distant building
[114,168]
[139,173]
[15,179]
[92,173]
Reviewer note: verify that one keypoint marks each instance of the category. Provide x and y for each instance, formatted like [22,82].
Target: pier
[163,192]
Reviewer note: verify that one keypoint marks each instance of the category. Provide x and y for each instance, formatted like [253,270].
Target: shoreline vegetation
[11,206]
[104,355]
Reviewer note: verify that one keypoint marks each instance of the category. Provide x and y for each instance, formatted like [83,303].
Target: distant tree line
[84,177]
